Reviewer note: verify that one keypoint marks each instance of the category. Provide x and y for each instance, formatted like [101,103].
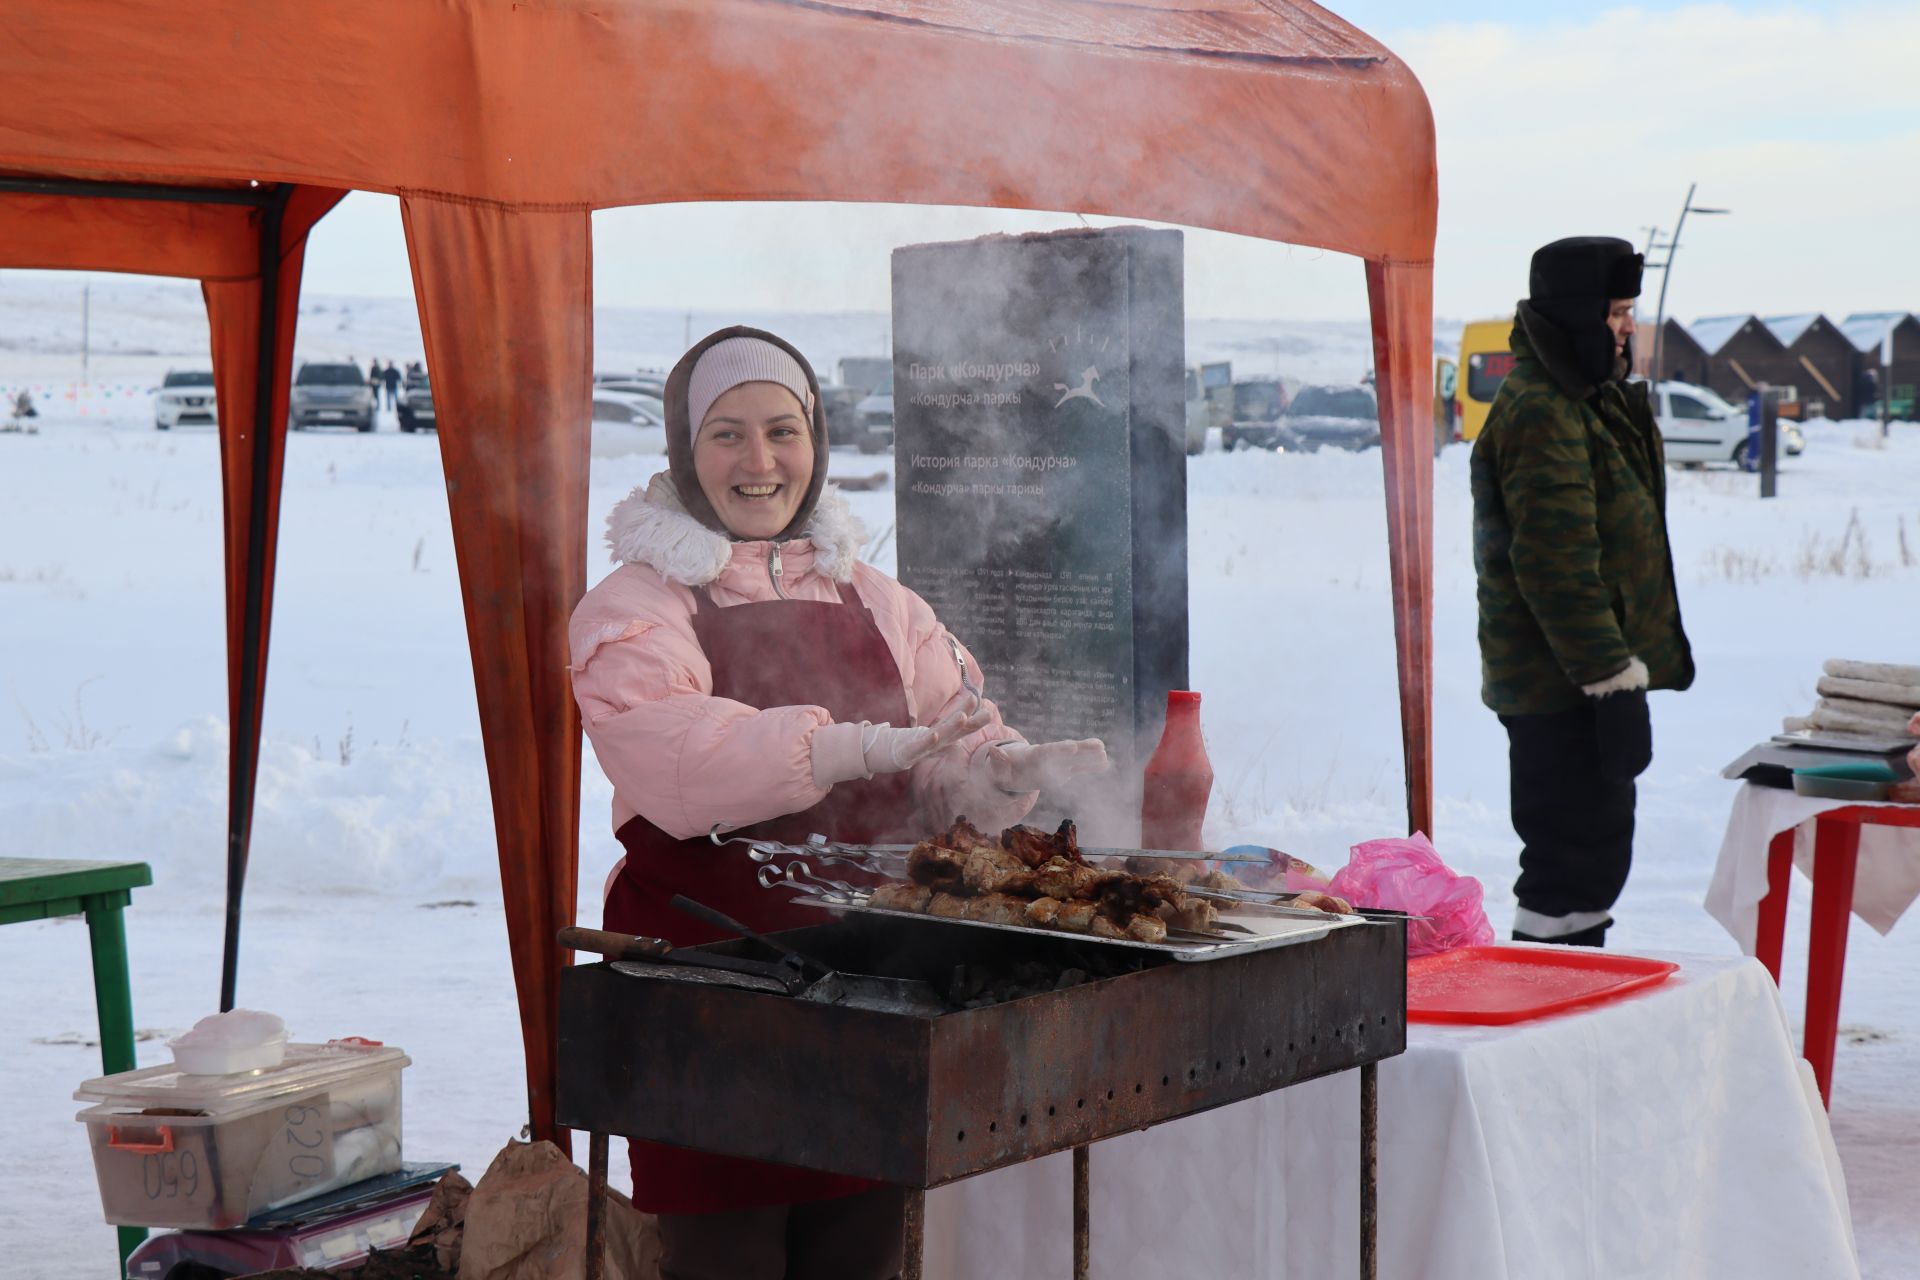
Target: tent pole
[259,197]
[246,727]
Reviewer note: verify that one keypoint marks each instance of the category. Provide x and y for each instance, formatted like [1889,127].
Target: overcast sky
[1802,118]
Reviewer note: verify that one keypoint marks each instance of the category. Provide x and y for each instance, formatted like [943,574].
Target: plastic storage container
[177,1150]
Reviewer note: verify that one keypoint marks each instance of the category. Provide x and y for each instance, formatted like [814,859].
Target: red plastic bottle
[1179,779]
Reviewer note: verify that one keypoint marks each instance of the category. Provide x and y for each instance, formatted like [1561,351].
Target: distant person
[392,379]
[1866,393]
[1579,616]
[375,379]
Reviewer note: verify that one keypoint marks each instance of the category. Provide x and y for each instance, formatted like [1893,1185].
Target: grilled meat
[1075,917]
[1043,912]
[1184,912]
[1036,878]
[951,905]
[991,869]
[1034,847]
[1322,902]
[902,896]
[1058,878]
[937,866]
[1146,929]
[997,908]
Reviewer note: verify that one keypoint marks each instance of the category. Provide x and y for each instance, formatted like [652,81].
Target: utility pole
[1666,274]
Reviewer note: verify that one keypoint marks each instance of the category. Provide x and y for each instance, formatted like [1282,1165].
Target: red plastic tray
[1493,986]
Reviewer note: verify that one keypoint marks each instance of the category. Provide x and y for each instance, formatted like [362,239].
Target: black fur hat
[1572,282]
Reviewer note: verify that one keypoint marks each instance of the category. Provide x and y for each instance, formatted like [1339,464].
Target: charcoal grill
[921,1101]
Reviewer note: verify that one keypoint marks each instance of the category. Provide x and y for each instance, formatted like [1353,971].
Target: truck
[872,374]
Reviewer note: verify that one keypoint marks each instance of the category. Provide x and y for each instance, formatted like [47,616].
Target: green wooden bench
[42,888]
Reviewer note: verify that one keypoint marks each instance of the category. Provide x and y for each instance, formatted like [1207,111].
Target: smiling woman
[744,669]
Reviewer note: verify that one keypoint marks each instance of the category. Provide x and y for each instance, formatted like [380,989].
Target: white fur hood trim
[650,526]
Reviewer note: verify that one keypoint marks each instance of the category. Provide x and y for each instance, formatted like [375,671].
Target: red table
[1836,848]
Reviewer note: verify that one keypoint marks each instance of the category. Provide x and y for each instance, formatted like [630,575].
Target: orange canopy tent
[204,141]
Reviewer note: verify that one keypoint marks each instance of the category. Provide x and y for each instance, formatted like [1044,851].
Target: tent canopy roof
[1270,118]
[502,123]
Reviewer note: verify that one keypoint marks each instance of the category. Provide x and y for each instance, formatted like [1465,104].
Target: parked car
[1342,417]
[874,430]
[330,393]
[627,422]
[872,374]
[611,405]
[652,383]
[185,398]
[648,387]
[415,405]
[1209,402]
[1196,415]
[1258,406]
[1698,426]
[843,412]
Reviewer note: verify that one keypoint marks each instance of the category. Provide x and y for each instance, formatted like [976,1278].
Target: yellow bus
[1484,363]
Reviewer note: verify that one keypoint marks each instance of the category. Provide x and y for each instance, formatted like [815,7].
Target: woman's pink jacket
[684,759]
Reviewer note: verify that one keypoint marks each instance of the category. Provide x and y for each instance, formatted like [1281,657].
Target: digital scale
[327,1231]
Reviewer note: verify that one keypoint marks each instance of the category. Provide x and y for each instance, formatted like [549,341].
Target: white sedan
[185,399]
[626,422]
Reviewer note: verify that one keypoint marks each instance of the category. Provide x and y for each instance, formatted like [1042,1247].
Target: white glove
[845,752]
[886,749]
[1043,766]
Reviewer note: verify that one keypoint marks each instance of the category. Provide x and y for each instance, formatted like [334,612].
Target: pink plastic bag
[1406,874]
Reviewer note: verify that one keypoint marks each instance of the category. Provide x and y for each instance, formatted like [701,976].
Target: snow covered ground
[373,905]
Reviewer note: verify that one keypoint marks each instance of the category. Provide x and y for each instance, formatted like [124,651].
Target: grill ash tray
[920,1101]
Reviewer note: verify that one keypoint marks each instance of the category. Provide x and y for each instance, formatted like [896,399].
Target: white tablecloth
[1886,878]
[1671,1136]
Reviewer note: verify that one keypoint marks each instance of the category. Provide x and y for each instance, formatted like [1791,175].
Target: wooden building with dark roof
[1827,363]
[1741,353]
[1682,359]
[1868,331]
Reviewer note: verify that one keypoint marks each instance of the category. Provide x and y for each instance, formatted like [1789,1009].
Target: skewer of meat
[901,895]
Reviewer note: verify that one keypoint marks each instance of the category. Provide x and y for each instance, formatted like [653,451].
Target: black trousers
[856,1237]
[1575,827]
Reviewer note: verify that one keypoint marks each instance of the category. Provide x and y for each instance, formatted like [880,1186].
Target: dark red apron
[774,653]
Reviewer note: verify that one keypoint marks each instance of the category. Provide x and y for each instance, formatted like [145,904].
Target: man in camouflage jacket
[1578,611]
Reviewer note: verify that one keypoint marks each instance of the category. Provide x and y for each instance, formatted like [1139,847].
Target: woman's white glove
[1043,766]
[886,749]
[845,752]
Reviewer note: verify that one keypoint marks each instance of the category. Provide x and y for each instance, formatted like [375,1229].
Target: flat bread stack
[1869,699]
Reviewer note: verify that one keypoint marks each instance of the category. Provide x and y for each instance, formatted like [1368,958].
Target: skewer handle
[614,946]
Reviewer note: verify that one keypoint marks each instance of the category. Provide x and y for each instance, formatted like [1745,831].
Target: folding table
[44,888]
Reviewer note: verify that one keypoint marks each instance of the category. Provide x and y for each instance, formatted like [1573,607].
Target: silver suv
[330,393]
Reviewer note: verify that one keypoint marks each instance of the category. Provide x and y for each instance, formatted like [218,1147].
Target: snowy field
[373,906]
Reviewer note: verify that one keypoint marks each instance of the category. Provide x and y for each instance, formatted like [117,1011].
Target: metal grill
[921,1101]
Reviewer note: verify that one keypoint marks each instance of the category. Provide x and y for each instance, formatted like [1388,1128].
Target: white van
[1698,426]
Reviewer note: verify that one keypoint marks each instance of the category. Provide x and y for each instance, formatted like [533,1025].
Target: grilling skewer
[864,856]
